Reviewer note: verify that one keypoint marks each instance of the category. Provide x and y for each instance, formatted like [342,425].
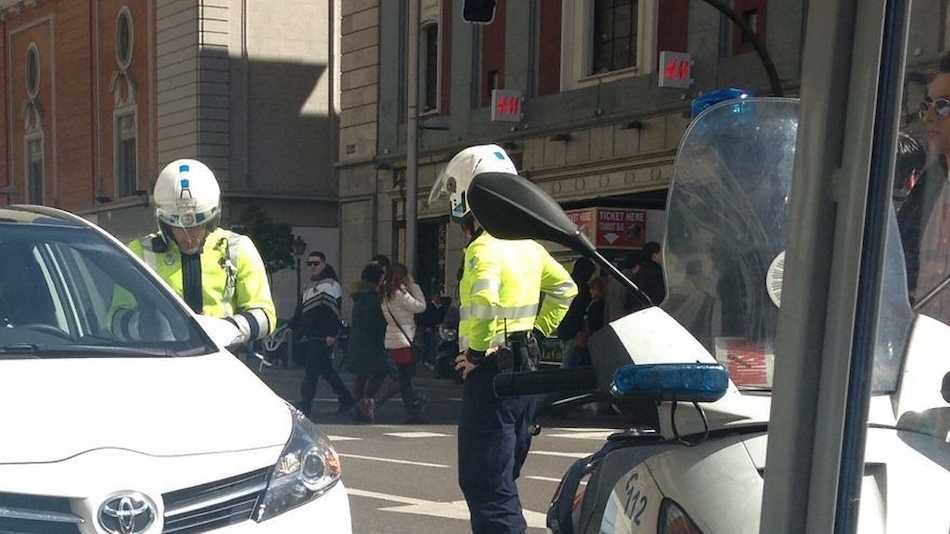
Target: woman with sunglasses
[317,319]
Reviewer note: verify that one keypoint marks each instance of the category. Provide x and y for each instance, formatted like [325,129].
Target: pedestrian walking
[317,318]
[367,358]
[402,300]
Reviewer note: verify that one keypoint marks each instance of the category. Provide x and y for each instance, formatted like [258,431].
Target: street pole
[412,132]
[298,279]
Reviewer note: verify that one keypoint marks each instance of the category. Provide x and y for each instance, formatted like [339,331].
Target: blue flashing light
[687,382]
[711,98]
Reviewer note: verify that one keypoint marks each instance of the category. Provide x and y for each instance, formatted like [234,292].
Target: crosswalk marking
[343,438]
[568,429]
[598,435]
[416,435]
[551,479]
[544,479]
[562,454]
[392,460]
[448,510]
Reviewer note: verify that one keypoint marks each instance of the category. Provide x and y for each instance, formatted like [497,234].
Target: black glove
[475,357]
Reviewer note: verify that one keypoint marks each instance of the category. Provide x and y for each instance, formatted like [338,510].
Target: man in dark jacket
[649,276]
[573,322]
[317,319]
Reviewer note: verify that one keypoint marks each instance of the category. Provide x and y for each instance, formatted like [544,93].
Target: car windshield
[65,291]
[725,243]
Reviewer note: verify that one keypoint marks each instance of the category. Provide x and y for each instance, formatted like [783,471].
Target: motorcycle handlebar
[547,381]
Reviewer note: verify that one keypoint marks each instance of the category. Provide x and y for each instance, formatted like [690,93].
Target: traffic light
[479,11]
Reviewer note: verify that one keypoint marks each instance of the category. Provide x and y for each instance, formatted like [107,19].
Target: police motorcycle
[693,376]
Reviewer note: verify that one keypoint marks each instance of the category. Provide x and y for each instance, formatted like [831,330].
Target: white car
[168,433]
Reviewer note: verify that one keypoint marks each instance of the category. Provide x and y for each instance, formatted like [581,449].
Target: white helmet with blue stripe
[187,195]
[462,169]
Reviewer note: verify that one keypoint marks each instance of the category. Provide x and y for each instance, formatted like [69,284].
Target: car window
[62,286]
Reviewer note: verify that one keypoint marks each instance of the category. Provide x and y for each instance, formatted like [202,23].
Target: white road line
[598,436]
[385,496]
[343,438]
[563,454]
[544,479]
[449,510]
[611,430]
[416,435]
[549,479]
[392,460]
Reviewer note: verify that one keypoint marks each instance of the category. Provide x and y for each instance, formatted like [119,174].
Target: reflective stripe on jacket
[501,287]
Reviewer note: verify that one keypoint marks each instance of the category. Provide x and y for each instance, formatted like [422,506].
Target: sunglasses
[941,107]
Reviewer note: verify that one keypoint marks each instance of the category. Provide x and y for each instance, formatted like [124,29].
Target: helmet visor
[185,215]
[441,188]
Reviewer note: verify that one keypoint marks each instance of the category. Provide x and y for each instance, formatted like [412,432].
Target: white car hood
[54,409]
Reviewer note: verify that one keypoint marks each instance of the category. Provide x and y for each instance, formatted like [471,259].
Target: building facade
[102,94]
[595,128]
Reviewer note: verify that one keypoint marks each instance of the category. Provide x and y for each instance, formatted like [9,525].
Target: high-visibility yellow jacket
[234,282]
[510,286]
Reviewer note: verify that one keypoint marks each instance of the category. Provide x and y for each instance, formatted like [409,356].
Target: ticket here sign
[612,228]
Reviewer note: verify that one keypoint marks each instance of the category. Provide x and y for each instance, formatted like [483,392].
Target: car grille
[214,505]
[30,514]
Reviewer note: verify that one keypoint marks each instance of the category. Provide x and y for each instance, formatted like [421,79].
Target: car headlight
[673,520]
[307,469]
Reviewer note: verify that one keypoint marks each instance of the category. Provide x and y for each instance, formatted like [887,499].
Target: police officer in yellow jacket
[217,272]
[509,290]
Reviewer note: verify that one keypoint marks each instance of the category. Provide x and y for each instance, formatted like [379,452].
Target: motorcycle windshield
[725,231]
[727,217]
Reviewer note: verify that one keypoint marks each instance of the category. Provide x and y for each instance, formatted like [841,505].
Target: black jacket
[318,313]
[650,279]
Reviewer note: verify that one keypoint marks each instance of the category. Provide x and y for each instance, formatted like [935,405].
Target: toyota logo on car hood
[126,512]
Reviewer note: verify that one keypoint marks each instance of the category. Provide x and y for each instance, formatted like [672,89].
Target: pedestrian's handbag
[401,356]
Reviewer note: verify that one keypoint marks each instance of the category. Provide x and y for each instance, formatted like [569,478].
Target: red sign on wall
[505,105]
[614,228]
[676,70]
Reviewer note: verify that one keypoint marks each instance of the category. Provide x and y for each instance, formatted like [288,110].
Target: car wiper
[90,351]
[20,349]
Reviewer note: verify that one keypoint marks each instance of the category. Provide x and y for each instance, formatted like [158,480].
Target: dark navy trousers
[494,436]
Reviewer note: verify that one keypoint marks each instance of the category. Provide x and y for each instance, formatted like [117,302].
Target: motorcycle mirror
[945,388]
[509,206]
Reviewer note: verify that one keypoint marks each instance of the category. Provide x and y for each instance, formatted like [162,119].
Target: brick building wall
[72,110]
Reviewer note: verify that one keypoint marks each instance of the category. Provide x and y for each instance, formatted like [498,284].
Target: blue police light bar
[714,97]
[686,382]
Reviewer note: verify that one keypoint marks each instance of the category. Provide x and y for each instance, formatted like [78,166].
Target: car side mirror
[945,388]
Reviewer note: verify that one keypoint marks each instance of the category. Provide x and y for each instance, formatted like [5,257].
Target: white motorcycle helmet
[187,196]
[462,169]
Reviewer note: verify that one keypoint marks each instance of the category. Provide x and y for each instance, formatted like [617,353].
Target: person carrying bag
[402,300]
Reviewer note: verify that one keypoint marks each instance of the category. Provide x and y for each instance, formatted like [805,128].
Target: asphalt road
[403,478]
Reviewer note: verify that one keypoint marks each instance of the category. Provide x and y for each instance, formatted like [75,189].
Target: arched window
[430,67]
[125,123]
[34,168]
[32,70]
[124,38]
